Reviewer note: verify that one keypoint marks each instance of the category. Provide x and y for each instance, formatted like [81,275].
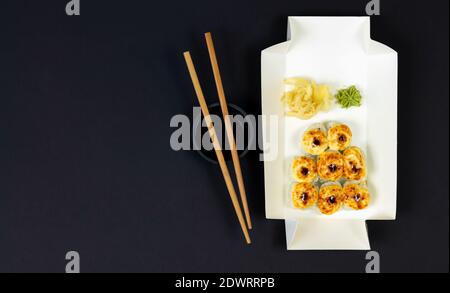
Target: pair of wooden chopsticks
[229,131]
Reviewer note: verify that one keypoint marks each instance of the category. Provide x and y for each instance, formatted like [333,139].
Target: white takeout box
[336,51]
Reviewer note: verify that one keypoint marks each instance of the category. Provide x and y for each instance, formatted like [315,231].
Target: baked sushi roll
[303,195]
[304,169]
[314,140]
[354,164]
[330,165]
[339,136]
[356,195]
[330,198]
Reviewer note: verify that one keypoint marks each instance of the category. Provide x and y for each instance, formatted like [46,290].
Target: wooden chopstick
[228,126]
[217,147]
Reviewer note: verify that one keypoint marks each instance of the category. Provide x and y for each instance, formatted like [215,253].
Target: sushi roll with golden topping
[303,195]
[304,169]
[330,165]
[339,136]
[356,195]
[330,198]
[315,140]
[354,164]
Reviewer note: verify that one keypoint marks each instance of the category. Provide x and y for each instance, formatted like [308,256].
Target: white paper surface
[336,51]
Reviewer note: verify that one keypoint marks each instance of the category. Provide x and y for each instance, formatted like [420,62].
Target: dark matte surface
[85,162]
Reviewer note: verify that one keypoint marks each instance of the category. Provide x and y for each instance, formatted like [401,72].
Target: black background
[85,161]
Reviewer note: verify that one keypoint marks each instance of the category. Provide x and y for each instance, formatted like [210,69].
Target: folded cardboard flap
[336,234]
[329,33]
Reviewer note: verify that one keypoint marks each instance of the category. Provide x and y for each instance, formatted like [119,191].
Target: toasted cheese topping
[354,164]
[315,141]
[303,195]
[339,137]
[330,199]
[330,165]
[356,196]
[304,169]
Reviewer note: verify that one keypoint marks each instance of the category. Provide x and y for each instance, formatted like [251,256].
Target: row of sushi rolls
[332,174]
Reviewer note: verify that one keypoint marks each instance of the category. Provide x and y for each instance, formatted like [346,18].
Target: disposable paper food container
[339,52]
